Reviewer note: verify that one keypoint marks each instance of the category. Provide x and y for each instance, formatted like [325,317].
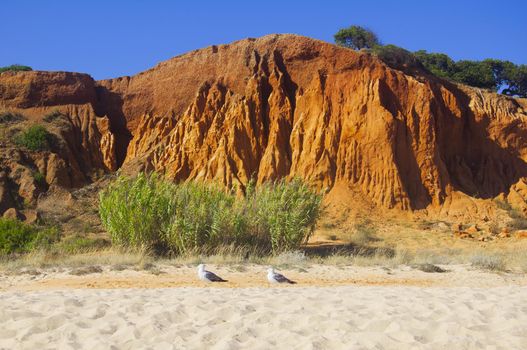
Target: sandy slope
[461,309]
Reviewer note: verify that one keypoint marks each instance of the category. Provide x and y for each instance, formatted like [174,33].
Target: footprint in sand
[73,302]
[55,322]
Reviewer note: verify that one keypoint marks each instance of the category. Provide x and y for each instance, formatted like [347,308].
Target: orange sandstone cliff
[284,106]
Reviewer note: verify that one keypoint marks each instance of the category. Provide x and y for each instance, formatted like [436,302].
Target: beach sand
[460,309]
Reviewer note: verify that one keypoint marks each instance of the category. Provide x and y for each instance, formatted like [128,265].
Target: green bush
[356,37]
[18,237]
[154,214]
[15,68]
[288,211]
[35,138]
[396,57]
[204,216]
[138,212]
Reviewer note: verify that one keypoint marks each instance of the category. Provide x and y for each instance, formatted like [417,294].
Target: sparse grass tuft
[78,244]
[9,117]
[519,221]
[364,233]
[53,115]
[504,205]
[488,262]
[39,178]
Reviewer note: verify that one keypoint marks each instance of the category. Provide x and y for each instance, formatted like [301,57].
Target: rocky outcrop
[287,106]
[81,145]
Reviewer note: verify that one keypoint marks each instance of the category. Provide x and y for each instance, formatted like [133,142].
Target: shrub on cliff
[35,138]
[356,37]
[15,68]
[151,213]
[500,76]
[396,57]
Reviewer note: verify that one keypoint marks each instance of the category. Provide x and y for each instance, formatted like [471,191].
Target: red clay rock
[287,106]
[463,235]
[472,229]
[13,214]
[31,216]
[457,227]
[504,234]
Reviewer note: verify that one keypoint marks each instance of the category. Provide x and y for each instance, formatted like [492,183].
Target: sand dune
[345,317]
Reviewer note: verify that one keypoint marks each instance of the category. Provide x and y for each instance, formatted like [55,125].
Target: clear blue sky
[110,38]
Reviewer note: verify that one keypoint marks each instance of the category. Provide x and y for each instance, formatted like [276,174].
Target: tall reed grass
[154,214]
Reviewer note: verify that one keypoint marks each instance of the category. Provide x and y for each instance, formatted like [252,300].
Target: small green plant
[39,178]
[15,68]
[18,237]
[15,237]
[34,138]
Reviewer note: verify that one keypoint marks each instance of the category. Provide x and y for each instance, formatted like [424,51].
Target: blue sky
[110,38]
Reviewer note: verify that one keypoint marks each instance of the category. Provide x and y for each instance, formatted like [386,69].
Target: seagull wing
[213,277]
[282,279]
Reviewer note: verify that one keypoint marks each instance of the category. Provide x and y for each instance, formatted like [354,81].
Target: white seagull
[208,276]
[274,277]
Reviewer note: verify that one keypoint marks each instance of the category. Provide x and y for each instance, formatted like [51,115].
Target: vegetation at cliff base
[15,68]
[18,237]
[493,74]
[152,213]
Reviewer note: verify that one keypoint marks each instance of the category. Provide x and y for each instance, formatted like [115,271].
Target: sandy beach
[460,309]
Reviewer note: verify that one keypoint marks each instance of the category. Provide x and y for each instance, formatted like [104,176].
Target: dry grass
[44,259]
[499,261]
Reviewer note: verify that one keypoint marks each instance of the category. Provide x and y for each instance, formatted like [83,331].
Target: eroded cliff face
[81,145]
[287,106]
